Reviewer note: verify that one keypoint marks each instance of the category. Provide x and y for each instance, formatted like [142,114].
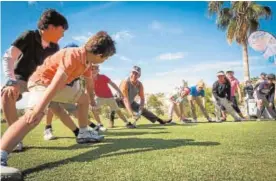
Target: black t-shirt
[33,53]
[222,90]
[249,90]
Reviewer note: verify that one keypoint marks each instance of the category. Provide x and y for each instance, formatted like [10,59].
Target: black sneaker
[162,122]
[130,126]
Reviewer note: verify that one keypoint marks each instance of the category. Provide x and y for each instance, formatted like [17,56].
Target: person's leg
[121,116]
[192,106]
[20,128]
[176,109]
[59,111]
[203,110]
[236,106]
[96,113]
[72,109]
[182,112]
[49,119]
[269,111]
[72,96]
[17,131]
[229,108]
[8,100]
[48,132]
[121,104]
[111,102]
[218,111]
[171,110]
[147,114]
[112,118]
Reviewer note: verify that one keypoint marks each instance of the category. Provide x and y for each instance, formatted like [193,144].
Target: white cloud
[155,25]
[81,38]
[122,35]
[165,81]
[171,56]
[87,12]
[164,28]
[124,58]
[105,6]
[105,68]
[32,2]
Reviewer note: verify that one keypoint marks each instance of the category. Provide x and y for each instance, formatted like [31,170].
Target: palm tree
[239,20]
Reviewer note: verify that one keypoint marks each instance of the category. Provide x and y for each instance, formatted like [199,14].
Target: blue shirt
[195,93]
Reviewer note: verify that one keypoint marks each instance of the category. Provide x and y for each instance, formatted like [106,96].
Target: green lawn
[205,151]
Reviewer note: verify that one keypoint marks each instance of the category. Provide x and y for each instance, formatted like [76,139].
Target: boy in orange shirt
[48,83]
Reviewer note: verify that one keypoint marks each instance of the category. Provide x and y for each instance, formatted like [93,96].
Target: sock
[82,130]
[76,131]
[92,125]
[4,156]
[112,116]
[48,127]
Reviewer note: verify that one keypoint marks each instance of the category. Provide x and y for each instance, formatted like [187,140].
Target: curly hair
[52,17]
[101,43]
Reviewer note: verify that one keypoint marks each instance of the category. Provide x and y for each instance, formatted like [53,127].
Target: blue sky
[171,41]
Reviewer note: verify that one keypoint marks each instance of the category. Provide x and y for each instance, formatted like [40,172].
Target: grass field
[204,151]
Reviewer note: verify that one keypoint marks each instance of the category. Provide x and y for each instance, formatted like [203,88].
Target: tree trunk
[245,61]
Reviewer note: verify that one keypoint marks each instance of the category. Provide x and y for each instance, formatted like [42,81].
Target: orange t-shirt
[69,60]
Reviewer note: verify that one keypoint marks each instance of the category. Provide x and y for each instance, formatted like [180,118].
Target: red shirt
[101,87]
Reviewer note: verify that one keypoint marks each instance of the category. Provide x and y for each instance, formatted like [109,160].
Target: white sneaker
[172,122]
[9,173]
[102,128]
[19,147]
[89,136]
[48,134]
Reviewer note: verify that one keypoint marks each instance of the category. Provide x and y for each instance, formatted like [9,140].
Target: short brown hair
[101,43]
[51,17]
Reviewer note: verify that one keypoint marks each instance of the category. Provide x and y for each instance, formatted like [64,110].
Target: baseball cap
[271,76]
[264,74]
[229,71]
[220,73]
[136,69]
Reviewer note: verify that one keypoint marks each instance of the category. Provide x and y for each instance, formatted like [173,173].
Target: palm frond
[231,31]
[214,7]
[223,19]
[253,26]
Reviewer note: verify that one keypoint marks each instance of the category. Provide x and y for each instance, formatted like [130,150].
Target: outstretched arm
[112,84]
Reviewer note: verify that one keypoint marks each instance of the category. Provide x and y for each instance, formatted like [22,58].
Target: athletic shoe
[194,121]
[9,173]
[4,162]
[101,128]
[172,122]
[48,134]
[19,147]
[89,136]
[130,126]
[210,120]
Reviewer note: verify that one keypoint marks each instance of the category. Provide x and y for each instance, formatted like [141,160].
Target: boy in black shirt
[26,53]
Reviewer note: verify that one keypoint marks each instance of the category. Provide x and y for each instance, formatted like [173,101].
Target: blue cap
[71,45]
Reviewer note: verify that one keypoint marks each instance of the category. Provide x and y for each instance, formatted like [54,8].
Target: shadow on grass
[116,147]
[132,133]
